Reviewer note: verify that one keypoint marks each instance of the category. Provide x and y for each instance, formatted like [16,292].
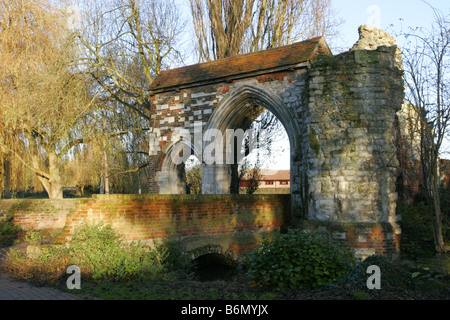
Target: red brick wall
[147,217]
[34,214]
[365,238]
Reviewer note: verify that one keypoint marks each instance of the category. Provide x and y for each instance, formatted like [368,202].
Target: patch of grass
[171,288]
[97,250]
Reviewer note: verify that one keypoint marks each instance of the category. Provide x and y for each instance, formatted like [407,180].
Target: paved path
[12,289]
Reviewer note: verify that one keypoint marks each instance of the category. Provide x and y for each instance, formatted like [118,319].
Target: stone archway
[211,249]
[171,177]
[230,114]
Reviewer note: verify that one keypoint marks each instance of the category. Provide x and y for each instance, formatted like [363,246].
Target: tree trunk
[7,179]
[52,184]
[105,173]
[437,214]
[105,157]
[52,187]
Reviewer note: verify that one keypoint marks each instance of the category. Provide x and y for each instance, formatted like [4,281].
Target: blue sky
[393,16]
[383,14]
[389,15]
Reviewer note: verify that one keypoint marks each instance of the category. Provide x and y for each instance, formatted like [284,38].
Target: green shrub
[100,252]
[97,249]
[33,236]
[48,267]
[298,259]
[174,259]
[417,232]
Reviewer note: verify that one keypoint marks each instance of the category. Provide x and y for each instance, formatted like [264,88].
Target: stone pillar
[154,150]
[173,180]
[216,178]
[153,187]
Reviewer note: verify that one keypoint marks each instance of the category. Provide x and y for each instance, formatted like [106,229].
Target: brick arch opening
[212,262]
[236,111]
[212,249]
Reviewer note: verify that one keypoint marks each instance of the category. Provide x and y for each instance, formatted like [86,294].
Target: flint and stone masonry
[339,111]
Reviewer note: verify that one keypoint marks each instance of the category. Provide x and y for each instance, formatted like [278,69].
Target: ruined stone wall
[350,171]
[353,100]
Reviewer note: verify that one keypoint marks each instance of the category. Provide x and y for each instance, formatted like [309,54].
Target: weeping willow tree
[15,178]
[43,95]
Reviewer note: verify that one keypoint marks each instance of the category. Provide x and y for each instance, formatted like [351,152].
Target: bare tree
[251,176]
[126,44]
[427,69]
[225,28]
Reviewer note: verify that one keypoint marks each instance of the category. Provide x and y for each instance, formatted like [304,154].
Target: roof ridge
[239,65]
[239,56]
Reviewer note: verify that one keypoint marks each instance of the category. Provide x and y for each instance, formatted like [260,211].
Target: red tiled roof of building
[286,56]
[274,175]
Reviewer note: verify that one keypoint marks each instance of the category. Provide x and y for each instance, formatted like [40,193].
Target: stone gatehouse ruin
[343,115]
[340,114]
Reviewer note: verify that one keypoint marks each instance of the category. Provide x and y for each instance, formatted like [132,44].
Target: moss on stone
[313,142]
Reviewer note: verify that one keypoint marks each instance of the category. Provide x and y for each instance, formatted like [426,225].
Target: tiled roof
[275,175]
[232,67]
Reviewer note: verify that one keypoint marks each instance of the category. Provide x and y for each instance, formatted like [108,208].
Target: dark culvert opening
[212,267]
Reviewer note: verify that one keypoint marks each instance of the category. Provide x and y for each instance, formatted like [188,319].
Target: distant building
[272,181]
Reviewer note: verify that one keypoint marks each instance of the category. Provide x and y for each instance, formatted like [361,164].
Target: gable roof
[238,66]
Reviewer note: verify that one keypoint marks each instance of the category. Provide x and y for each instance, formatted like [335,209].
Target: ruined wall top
[370,38]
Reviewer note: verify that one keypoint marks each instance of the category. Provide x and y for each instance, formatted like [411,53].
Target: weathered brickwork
[157,216]
[33,214]
[364,238]
[235,223]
